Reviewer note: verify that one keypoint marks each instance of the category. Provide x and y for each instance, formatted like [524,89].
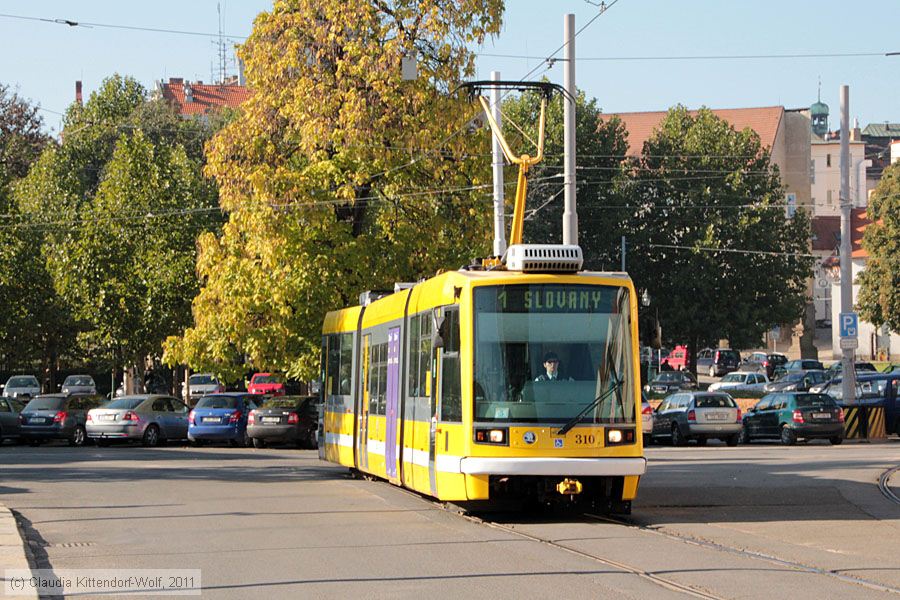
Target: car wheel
[648,439]
[258,443]
[678,438]
[311,441]
[788,437]
[712,371]
[836,440]
[246,442]
[733,440]
[151,436]
[744,435]
[79,436]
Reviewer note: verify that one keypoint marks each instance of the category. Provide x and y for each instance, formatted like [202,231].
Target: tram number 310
[585,439]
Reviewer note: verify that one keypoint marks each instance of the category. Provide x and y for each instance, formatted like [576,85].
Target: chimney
[78,93]
[855,134]
[188,93]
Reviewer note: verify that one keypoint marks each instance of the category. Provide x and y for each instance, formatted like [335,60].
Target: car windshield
[218,402]
[717,401]
[546,352]
[78,380]
[45,403]
[814,400]
[20,382]
[266,379]
[673,377]
[127,403]
[791,377]
[738,377]
[202,380]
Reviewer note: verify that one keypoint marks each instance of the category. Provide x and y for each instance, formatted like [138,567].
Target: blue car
[222,417]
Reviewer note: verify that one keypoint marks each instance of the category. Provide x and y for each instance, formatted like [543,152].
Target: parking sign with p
[849,325]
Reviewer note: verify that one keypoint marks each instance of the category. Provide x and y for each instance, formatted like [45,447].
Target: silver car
[202,384]
[146,417]
[741,381]
[22,386]
[79,384]
[697,416]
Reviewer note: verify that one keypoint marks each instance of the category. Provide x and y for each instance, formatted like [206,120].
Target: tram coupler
[569,487]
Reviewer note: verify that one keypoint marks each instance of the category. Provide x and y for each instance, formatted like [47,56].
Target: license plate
[107,417]
[821,415]
[211,420]
[39,421]
[659,389]
[717,416]
[271,419]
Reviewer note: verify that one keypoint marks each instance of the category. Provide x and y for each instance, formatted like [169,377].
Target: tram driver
[551,369]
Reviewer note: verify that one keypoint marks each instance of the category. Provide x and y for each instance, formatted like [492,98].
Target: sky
[42,60]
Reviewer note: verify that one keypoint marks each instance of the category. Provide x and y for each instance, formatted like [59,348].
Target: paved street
[715,522]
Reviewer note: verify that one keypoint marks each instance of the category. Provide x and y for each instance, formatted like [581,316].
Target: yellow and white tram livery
[438,387]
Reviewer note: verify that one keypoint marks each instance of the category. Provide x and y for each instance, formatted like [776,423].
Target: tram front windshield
[521,330]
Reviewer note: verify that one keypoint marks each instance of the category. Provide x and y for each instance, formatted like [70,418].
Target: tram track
[637,571]
[884,485]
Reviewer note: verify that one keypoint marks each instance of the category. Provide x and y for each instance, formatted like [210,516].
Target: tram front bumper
[615,466]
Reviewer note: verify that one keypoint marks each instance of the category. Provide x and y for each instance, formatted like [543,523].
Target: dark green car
[790,416]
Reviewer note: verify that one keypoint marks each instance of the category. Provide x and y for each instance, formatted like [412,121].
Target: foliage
[29,320]
[338,176]
[122,201]
[700,189]
[879,294]
[600,147]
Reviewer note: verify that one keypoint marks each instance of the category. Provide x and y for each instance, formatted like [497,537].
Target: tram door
[362,409]
[418,426]
[393,403]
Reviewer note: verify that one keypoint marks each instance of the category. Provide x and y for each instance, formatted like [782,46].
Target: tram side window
[334,365]
[372,377]
[451,399]
[413,354]
[346,341]
[424,350]
[378,379]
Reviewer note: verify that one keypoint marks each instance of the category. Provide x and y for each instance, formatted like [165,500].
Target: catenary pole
[848,379]
[499,224]
[570,216]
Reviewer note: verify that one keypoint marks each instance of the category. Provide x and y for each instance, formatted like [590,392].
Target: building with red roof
[197,99]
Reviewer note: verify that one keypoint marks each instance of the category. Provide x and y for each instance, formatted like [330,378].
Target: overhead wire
[71,23]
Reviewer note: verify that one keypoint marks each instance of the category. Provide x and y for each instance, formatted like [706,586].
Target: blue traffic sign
[849,325]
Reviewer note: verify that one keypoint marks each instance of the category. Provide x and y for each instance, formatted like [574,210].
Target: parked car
[677,359]
[57,417]
[267,383]
[646,420]
[871,388]
[79,384]
[804,364]
[697,416]
[22,386]
[796,381]
[763,362]
[222,417]
[671,381]
[9,418]
[789,416]
[202,384]
[741,381]
[717,362]
[835,369]
[291,419]
[149,418]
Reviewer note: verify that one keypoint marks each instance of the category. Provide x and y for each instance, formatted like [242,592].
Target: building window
[828,200]
[827,160]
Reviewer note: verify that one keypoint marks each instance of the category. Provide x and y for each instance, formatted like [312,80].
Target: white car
[741,381]
[646,420]
[203,384]
[22,386]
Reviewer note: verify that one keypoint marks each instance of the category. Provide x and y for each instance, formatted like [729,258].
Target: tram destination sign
[549,298]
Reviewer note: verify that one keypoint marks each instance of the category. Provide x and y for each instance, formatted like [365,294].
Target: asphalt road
[749,522]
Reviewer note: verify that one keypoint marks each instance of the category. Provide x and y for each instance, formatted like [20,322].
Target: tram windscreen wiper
[577,418]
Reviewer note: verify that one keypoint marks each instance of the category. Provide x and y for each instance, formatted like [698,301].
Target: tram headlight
[616,437]
[497,435]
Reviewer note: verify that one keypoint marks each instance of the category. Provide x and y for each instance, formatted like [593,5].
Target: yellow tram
[517,379]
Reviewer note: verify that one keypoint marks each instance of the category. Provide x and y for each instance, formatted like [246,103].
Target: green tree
[879,294]
[600,149]
[32,323]
[122,201]
[339,176]
[709,237]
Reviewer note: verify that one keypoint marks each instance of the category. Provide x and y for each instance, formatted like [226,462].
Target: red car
[266,383]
